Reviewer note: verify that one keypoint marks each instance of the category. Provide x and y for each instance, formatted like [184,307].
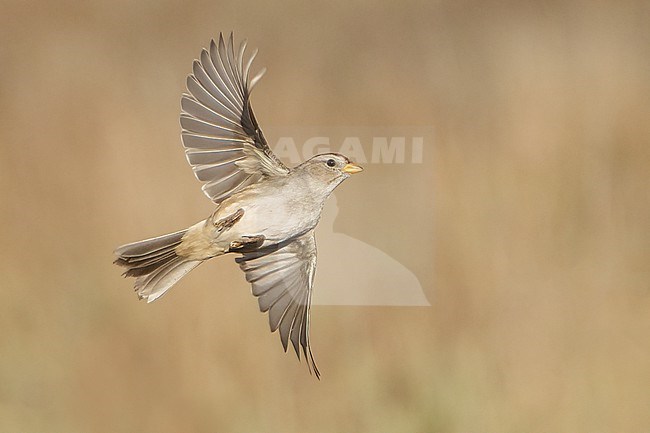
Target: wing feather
[194,108]
[219,128]
[219,59]
[288,320]
[282,280]
[202,156]
[202,127]
[205,97]
[217,80]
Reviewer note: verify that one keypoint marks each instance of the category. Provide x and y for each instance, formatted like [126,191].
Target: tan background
[527,223]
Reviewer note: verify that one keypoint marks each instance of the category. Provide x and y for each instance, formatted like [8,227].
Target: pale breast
[277,213]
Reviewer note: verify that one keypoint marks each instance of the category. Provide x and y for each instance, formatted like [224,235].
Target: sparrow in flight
[265,211]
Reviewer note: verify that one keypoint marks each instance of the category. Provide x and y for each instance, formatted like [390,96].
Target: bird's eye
[331,163]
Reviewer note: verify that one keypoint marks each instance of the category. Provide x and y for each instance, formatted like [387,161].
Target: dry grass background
[527,224]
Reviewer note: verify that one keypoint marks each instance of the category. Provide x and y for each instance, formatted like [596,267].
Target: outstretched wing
[223,142]
[282,278]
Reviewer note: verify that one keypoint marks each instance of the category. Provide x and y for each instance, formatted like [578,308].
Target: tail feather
[150,246]
[144,267]
[155,284]
[155,264]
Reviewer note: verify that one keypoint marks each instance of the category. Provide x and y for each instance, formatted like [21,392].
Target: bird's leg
[246,243]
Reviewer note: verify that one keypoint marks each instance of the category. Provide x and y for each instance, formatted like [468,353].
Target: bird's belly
[277,220]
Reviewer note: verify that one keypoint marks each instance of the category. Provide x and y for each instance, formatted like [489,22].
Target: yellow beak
[352,168]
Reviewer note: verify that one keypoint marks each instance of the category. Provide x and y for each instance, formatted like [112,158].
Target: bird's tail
[155,264]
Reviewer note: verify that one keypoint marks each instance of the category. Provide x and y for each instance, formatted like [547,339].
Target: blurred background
[526,224]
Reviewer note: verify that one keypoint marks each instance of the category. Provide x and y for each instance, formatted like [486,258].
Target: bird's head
[326,171]
[330,168]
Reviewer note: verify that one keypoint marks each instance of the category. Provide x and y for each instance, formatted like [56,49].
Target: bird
[265,212]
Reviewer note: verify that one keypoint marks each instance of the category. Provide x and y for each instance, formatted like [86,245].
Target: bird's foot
[246,243]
